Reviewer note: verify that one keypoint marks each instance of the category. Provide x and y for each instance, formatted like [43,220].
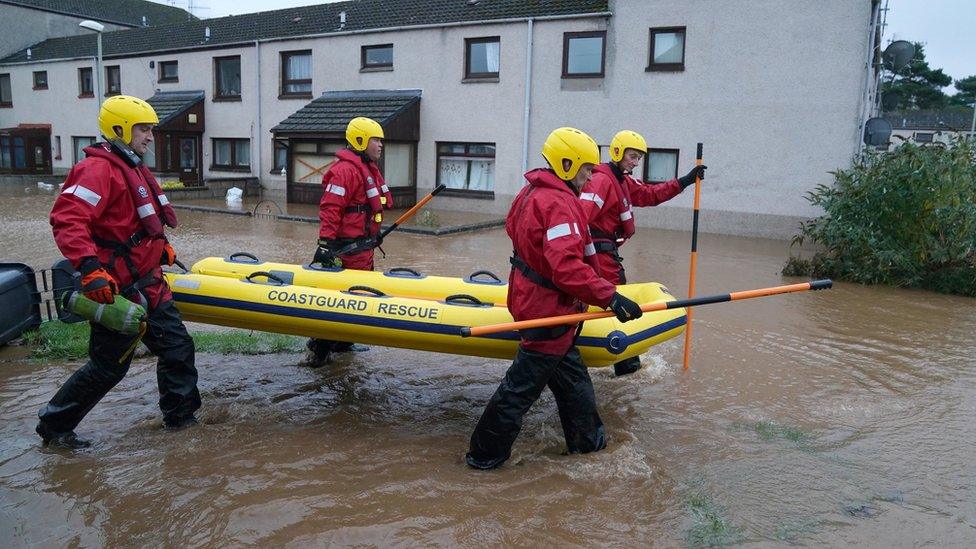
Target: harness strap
[543,334]
[359,208]
[527,271]
[123,250]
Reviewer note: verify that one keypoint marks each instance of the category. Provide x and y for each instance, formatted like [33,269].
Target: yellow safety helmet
[624,140]
[124,111]
[360,130]
[573,145]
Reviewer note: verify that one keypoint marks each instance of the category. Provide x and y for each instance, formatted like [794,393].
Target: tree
[915,86]
[966,89]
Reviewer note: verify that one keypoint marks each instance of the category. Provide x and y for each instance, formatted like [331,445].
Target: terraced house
[467,90]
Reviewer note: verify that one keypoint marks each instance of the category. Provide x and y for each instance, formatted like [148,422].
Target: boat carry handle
[494,278]
[403,271]
[266,274]
[466,298]
[253,259]
[367,289]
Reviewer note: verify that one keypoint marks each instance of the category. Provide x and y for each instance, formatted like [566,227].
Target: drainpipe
[528,97]
[255,139]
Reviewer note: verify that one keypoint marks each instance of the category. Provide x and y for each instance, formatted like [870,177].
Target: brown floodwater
[843,417]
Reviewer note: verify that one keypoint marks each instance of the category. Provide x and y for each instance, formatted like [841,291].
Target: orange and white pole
[694,259]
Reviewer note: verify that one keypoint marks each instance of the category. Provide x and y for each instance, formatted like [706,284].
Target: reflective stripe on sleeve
[592,197]
[558,231]
[372,192]
[85,194]
[335,189]
[626,216]
[146,210]
[385,188]
[589,249]
[162,199]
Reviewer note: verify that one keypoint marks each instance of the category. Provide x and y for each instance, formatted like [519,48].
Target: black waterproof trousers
[531,371]
[176,374]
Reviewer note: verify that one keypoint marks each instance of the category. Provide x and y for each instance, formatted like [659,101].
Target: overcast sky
[946,27]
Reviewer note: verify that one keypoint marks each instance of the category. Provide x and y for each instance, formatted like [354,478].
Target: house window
[925,137]
[40,80]
[6,99]
[661,165]
[227,77]
[113,80]
[481,58]
[467,168]
[169,71]
[78,144]
[296,74]
[377,57]
[667,50]
[231,155]
[85,82]
[584,54]
[280,157]
[399,166]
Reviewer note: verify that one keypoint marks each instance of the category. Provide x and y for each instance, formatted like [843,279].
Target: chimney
[28,54]
[206,34]
[342,19]
[145,21]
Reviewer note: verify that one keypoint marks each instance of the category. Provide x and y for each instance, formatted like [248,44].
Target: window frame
[75,149]
[37,86]
[233,166]
[481,76]
[163,79]
[217,96]
[108,80]
[567,37]
[278,145]
[364,66]
[666,67]
[81,82]
[464,193]
[9,103]
[284,81]
[647,164]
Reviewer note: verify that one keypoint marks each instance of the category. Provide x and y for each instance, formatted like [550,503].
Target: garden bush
[905,218]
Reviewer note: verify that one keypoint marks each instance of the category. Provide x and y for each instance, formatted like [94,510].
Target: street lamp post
[97,28]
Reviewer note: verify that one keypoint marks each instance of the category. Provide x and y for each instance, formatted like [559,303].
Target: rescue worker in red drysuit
[553,274]
[351,213]
[608,200]
[108,221]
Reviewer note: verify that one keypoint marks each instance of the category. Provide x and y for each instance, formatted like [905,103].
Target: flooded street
[843,417]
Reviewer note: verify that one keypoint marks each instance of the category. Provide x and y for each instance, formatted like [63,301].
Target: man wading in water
[553,274]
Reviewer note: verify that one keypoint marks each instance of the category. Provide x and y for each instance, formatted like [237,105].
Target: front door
[188,159]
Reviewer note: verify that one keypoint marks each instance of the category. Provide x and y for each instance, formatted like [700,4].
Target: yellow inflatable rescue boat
[398,308]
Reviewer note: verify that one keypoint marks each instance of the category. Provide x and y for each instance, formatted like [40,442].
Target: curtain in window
[243,150]
[397,159]
[299,68]
[585,55]
[482,175]
[454,173]
[222,152]
[661,166]
[491,56]
[230,77]
[668,47]
[80,144]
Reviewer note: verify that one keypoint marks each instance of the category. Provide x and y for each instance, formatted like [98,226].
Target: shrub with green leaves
[905,218]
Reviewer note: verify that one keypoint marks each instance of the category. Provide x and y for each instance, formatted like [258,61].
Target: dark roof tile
[361,15]
[332,111]
[123,12]
[170,104]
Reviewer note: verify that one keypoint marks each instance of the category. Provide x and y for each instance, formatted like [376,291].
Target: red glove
[169,254]
[96,283]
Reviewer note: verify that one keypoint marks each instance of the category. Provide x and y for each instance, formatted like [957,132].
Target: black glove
[325,255]
[689,178]
[624,308]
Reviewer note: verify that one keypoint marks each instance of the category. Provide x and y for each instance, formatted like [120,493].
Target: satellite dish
[898,54]
[877,132]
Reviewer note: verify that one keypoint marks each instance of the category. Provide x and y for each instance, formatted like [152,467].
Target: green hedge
[905,218]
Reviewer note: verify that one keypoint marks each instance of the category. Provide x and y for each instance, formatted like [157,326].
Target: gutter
[229,45]
[528,97]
